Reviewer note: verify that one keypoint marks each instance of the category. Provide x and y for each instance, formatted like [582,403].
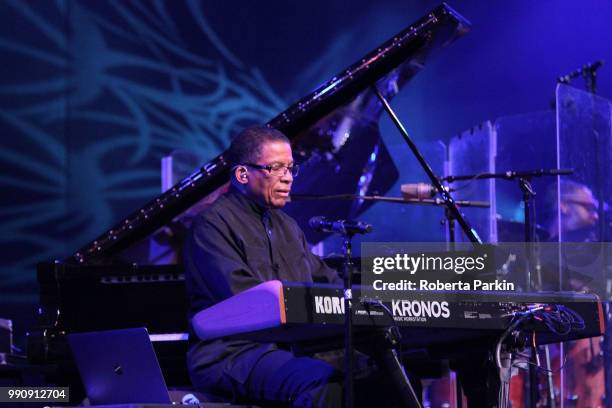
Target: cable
[558,319]
[394,327]
[468,182]
[502,338]
[546,370]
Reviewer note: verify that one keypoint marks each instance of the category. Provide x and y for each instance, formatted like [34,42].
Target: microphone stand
[386,356]
[588,72]
[396,200]
[389,358]
[511,175]
[446,197]
[347,274]
[524,179]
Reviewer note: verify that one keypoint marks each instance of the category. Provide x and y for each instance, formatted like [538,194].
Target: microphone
[592,67]
[419,191]
[587,69]
[322,224]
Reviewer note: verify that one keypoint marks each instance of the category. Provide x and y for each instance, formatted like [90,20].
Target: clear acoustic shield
[525,143]
[517,143]
[584,140]
[472,153]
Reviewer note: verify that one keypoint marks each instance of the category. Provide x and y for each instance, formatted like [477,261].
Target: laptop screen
[119,366]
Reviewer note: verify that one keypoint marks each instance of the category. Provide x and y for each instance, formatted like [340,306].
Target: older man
[578,211]
[242,240]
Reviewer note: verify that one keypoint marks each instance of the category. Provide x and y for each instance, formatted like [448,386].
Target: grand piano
[113,282]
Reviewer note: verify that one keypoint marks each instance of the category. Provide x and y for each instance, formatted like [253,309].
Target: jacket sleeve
[320,270]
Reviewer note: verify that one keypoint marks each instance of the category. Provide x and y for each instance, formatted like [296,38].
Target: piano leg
[391,365]
[386,357]
[479,378]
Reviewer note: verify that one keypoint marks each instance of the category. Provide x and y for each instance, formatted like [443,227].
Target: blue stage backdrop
[94,93]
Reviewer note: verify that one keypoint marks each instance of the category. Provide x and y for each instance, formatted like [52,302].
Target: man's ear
[241,174]
[564,208]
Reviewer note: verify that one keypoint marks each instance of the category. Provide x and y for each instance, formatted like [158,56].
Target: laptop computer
[119,367]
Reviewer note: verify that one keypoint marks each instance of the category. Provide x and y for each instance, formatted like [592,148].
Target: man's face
[268,189]
[579,210]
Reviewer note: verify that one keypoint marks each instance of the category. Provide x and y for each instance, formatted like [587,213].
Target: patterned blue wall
[93,94]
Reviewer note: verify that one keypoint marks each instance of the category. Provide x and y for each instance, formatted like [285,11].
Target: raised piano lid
[318,126]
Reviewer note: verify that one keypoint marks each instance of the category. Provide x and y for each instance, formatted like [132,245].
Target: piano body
[109,284]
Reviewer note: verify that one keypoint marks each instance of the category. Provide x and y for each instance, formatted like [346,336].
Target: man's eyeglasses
[591,206]
[278,170]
